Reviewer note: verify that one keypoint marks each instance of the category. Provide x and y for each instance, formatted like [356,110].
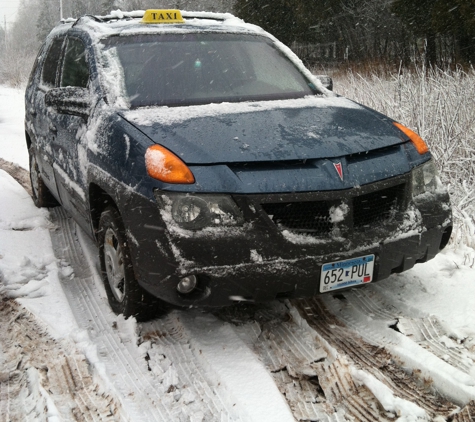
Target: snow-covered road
[400,349]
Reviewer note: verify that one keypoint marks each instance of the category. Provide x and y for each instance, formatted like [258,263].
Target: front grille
[369,211]
[374,208]
[309,217]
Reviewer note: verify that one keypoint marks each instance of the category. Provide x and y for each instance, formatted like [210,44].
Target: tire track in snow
[140,396]
[427,331]
[147,390]
[43,378]
[288,354]
[212,362]
[430,334]
[171,357]
[372,358]
[317,385]
[238,369]
[424,349]
[467,414]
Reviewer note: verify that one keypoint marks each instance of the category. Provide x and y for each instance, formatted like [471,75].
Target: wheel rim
[114,263]
[34,177]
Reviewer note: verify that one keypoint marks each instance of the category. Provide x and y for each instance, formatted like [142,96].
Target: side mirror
[70,100]
[326,81]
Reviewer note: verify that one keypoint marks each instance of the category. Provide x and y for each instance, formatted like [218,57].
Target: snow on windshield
[172,69]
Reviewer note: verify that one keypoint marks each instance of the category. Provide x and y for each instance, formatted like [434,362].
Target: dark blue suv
[212,167]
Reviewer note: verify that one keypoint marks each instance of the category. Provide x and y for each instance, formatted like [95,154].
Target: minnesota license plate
[351,272]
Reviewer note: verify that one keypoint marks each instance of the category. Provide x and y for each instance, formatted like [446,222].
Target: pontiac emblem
[339,170]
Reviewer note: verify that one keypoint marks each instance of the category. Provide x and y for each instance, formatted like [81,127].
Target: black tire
[42,197]
[123,291]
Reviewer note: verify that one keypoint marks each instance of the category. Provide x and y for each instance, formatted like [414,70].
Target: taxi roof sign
[162,16]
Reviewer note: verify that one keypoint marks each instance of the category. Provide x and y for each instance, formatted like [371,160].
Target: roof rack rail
[120,15]
[207,15]
[93,17]
[116,15]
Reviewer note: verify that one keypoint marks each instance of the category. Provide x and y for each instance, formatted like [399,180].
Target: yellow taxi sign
[162,16]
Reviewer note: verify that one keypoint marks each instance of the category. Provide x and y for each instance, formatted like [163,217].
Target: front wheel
[42,197]
[123,291]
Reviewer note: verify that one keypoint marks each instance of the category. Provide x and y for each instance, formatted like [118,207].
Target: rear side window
[75,68]
[50,66]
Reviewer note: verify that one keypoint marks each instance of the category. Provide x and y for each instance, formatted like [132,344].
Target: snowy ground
[402,349]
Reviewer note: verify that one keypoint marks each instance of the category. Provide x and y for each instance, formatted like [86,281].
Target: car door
[40,115]
[69,174]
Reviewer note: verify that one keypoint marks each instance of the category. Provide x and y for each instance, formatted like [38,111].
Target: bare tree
[20,49]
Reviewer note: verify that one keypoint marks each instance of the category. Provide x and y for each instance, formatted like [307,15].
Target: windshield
[184,69]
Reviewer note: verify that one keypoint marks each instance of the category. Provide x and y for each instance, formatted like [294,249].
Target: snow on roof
[120,19]
[129,23]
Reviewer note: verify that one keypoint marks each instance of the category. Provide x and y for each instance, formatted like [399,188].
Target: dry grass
[15,67]
[440,106]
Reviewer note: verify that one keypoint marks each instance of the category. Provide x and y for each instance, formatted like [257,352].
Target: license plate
[351,272]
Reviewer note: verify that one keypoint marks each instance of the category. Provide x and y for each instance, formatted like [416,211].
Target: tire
[123,291]
[42,197]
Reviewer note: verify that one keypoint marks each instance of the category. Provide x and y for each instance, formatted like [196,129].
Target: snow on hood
[302,129]
[169,116]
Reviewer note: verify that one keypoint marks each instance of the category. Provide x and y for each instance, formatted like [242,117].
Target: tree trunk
[431,49]
[465,49]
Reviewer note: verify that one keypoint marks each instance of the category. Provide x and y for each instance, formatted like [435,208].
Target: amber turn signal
[165,166]
[418,142]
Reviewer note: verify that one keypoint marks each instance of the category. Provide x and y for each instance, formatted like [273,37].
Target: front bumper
[260,261]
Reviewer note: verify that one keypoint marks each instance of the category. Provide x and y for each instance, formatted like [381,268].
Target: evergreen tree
[108,5]
[417,17]
[278,17]
[434,18]
[457,19]
[21,47]
[365,28]
[48,18]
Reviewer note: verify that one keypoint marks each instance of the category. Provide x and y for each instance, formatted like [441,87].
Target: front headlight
[425,178]
[195,212]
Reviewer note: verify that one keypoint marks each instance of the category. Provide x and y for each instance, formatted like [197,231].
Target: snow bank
[405,410]
[449,281]
[12,116]
[28,267]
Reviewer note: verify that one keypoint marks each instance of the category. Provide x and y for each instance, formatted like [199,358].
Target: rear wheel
[123,291]
[42,197]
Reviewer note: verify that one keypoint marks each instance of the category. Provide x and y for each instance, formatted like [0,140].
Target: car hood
[301,129]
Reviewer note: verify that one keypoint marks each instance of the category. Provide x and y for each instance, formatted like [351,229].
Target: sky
[8,10]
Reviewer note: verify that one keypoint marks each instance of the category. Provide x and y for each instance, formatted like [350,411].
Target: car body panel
[310,175]
[266,263]
[320,128]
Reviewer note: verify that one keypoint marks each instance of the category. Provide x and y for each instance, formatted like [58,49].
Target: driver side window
[75,68]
